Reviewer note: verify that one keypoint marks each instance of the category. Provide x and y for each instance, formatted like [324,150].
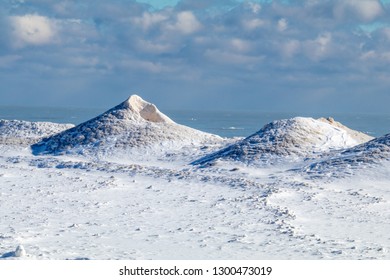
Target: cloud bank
[295,55]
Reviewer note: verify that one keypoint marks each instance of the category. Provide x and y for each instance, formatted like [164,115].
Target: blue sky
[160,4]
[302,56]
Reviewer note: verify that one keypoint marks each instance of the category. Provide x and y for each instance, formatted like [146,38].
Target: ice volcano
[16,132]
[290,139]
[134,123]
[367,154]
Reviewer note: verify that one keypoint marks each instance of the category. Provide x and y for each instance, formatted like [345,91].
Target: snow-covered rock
[290,138]
[15,132]
[134,123]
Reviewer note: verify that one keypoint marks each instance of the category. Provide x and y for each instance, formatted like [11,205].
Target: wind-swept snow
[134,123]
[362,156]
[289,139]
[72,207]
[26,133]
[358,136]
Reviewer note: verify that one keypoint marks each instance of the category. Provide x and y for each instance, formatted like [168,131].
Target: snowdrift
[367,154]
[15,132]
[134,123]
[288,139]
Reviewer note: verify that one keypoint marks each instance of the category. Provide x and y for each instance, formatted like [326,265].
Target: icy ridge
[16,132]
[364,155]
[290,138]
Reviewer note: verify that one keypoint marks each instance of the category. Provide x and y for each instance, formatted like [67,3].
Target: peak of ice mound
[136,109]
[133,123]
[290,138]
[145,110]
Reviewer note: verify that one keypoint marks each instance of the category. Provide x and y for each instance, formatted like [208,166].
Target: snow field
[121,186]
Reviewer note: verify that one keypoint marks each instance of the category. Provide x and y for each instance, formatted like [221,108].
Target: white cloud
[320,47]
[225,57]
[251,24]
[186,23]
[84,61]
[255,7]
[290,48]
[149,66]
[282,24]
[144,66]
[148,20]
[240,45]
[32,30]
[207,37]
[154,47]
[365,10]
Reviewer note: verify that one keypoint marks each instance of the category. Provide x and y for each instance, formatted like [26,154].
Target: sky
[266,55]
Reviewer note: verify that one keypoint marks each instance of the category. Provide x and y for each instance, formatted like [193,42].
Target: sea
[223,123]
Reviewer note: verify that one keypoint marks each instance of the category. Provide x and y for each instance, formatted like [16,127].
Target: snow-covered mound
[290,138]
[133,123]
[15,132]
[364,155]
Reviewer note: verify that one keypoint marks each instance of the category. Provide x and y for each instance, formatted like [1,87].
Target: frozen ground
[156,205]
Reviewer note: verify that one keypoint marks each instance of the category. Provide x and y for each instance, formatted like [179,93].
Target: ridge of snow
[290,138]
[363,155]
[357,135]
[17,132]
[133,123]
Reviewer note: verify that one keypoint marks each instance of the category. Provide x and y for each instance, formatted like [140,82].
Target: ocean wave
[233,128]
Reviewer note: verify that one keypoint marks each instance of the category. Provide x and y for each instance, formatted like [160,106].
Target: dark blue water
[226,124]
[229,124]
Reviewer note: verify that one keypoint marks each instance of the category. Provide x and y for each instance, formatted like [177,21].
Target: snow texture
[331,202]
[366,155]
[26,133]
[289,139]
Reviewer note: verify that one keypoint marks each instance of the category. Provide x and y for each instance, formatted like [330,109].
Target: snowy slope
[71,207]
[26,133]
[67,208]
[134,123]
[290,138]
[365,155]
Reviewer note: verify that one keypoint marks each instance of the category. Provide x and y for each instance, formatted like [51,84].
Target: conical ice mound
[133,123]
[290,138]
